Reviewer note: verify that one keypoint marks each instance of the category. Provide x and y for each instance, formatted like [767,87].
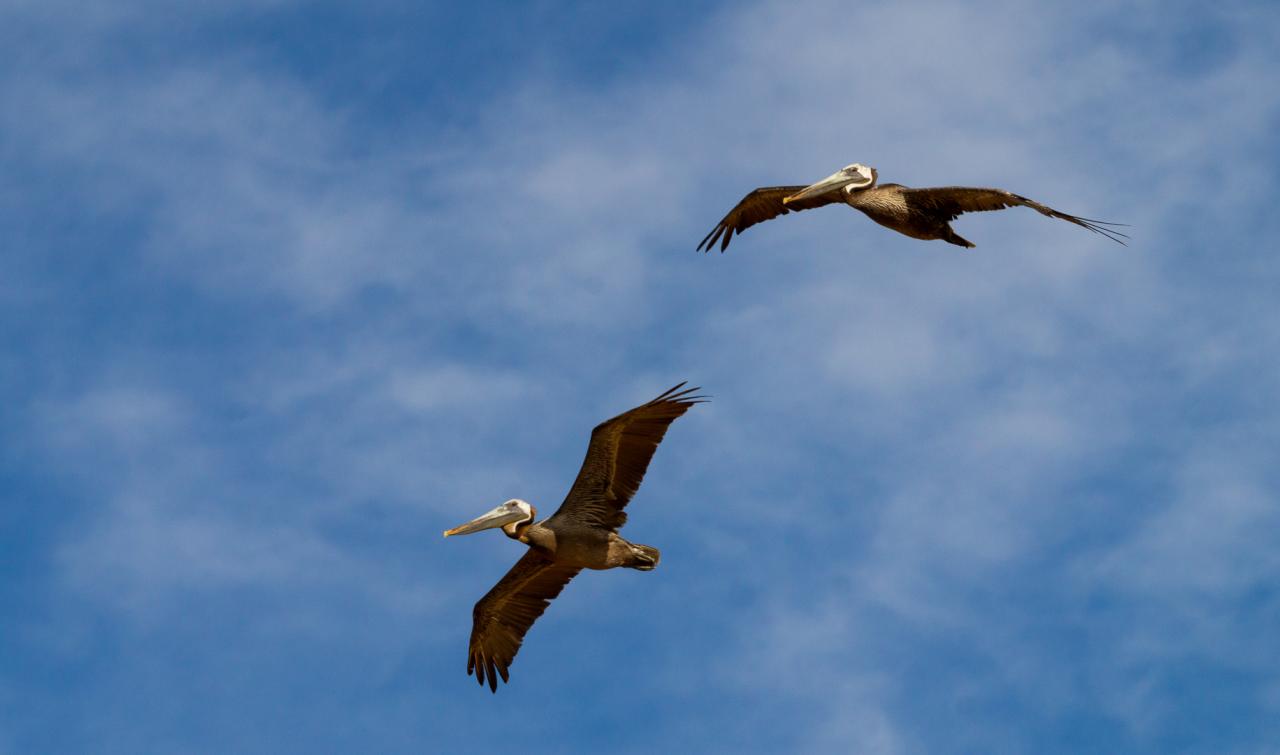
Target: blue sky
[290,288]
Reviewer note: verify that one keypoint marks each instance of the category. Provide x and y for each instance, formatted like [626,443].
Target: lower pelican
[582,534]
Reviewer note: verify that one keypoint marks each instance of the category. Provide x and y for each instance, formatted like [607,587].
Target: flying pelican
[918,213]
[583,533]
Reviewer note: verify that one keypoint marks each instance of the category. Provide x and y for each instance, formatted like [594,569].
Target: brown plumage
[501,618]
[918,213]
[582,534]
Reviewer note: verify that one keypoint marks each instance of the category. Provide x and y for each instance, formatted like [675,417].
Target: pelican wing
[950,202]
[617,458]
[505,613]
[760,205]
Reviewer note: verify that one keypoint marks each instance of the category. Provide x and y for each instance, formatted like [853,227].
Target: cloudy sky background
[289,288]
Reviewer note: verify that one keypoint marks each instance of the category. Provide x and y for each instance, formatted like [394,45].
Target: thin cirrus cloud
[996,500]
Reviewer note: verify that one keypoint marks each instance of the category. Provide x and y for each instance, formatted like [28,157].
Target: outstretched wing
[617,458]
[505,613]
[949,202]
[760,205]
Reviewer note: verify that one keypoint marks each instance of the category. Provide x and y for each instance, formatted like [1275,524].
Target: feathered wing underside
[501,618]
[617,458]
[952,201]
[760,205]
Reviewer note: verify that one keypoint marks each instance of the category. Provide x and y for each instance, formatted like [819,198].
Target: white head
[862,175]
[509,516]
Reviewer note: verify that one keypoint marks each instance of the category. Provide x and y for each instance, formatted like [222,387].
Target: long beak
[496,518]
[837,180]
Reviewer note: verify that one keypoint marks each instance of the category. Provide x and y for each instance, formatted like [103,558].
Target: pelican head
[509,516]
[849,178]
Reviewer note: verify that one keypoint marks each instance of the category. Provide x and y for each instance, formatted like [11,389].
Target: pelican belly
[905,226]
[888,207]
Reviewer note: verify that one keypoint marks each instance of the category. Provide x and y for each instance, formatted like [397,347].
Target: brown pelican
[582,534]
[918,213]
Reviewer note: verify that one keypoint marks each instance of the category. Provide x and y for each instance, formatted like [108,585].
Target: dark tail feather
[954,238]
[644,557]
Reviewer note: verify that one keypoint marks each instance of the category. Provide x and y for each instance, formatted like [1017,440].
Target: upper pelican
[918,213]
[583,533]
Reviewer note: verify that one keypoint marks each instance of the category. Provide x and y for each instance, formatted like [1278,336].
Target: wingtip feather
[679,394]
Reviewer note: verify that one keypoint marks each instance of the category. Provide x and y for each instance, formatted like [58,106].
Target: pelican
[918,213]
[582,534]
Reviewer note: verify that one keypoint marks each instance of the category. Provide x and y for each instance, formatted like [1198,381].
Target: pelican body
[567,541]
[919,213]
[582,534]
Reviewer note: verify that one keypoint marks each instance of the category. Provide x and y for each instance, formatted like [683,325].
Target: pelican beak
[837,180]
[498,517]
